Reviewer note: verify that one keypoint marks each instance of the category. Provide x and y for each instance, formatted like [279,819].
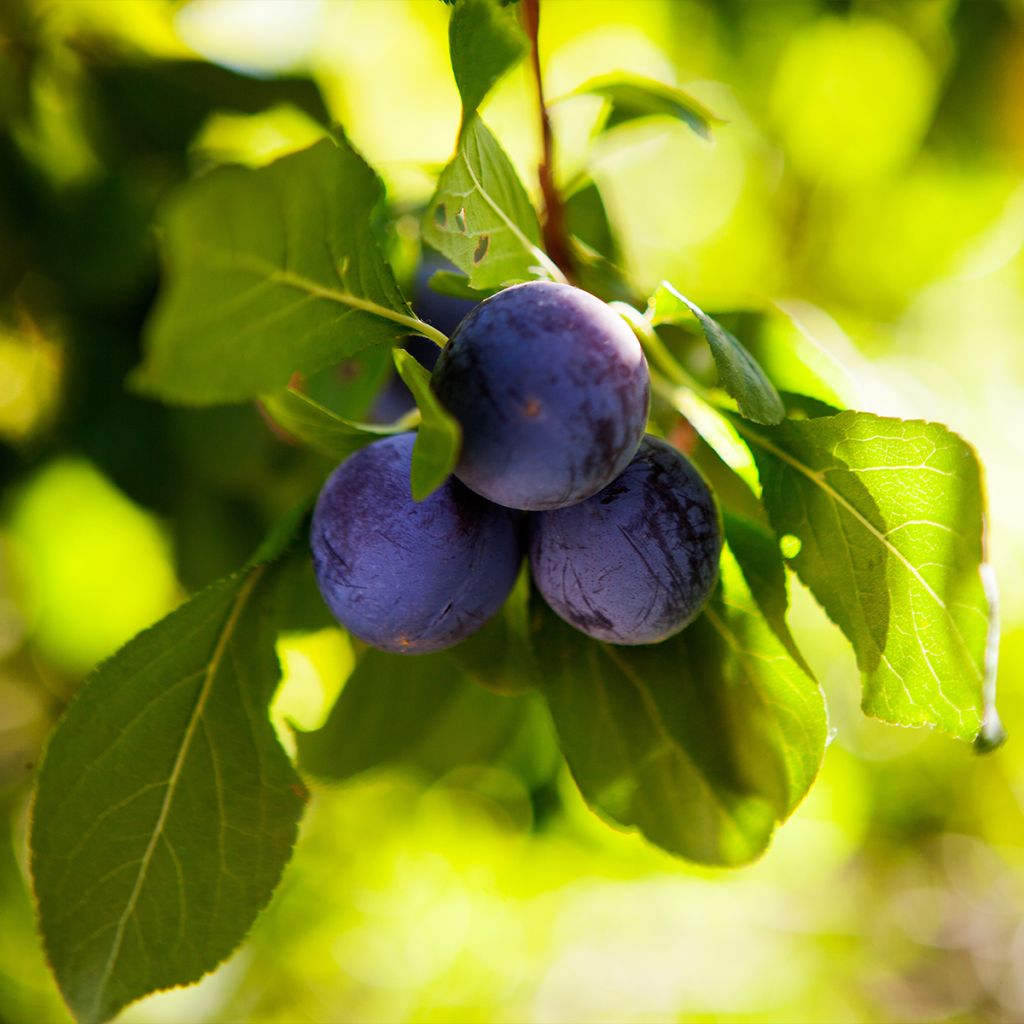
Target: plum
[552,391]
[636,562]
[407,576]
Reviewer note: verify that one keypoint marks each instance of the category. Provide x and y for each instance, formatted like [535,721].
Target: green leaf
[439,437]
[481,218]
[888,516]
[166,809]
[703,742]
[739,372]
[485,43]
[271,271]
[421,710]
[631,97]
[320,429]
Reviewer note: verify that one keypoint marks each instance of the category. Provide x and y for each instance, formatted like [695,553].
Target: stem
[556,238]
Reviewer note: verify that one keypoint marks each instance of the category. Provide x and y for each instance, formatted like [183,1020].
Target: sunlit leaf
[703,742]
[888,517]
[739,372]
[271,271]
[480,216]
[166,810]
[631,97]
[485,42]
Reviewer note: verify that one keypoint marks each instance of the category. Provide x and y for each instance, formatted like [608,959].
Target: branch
[556,238]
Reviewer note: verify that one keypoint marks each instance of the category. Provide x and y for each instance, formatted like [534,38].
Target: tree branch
[556,238]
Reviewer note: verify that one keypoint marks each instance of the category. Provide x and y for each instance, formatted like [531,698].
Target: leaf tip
[992,734]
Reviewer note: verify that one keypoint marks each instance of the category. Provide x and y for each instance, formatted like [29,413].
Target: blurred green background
[868,182]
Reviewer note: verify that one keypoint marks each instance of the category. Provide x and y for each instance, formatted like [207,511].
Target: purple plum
[636,562]
[407,576]
[551,388]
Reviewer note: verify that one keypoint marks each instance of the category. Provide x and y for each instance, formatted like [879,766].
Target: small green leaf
[485,42]
[703,742]
[271,271]
[885,520]
[439,437]
[421,710]
[166,809]
[481,218]
[631,97]
[320,429]
[739,372]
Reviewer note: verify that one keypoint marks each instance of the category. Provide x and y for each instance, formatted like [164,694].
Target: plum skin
[406,576]
[635,563]
[552,391]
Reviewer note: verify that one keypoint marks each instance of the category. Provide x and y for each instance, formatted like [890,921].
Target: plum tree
[636,562]
[551,389]
[406,576]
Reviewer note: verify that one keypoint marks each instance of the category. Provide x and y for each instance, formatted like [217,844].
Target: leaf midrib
[655,716]
[263,268]
[538,254]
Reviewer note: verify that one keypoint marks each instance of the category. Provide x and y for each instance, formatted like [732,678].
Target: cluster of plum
[552,390]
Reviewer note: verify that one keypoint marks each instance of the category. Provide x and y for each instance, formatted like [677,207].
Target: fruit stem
[556,238]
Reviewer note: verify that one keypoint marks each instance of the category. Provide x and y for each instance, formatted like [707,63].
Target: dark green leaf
[888,519]
[422,710]
[186,93]
[631,97]
[739,372]
[481,218]
[587,219]
[595,249]
[703,742]
[166,810]
[439,437]
[485,42]
[320,429]
[271,271]
[500,656]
